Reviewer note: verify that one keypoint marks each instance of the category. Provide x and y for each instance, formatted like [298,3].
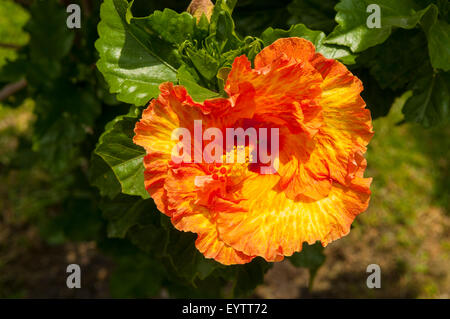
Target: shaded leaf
[136,276]
[393,66]
[66,113]
[124,212]
[317,15]
[378,100]
[102,176]
[310,257]
[50,37]
[430,103]
[253,17]
[439,45]
[187,261]
[249,276]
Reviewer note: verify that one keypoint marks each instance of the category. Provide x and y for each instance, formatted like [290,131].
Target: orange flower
[318,189]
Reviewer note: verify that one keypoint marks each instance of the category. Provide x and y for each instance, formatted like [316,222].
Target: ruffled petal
[286,92]
[347,124]
[295,48]
[188,214]
[173,109]
[274,225]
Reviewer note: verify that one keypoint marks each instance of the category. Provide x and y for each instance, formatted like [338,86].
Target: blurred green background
[44,226]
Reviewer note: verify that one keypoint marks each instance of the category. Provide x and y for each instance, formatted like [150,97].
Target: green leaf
[204,63]
[151,238]
[133,63]
[393,66]
[197,92]
[13,19]
[124,212]
[80,220]
[14,71]
[171,26]
[186,260]
[310,257]
[50,41]
[65,114]
[230,4]
[103,177]
[136,276]
[316,37]
[50,37]
[439,45]
[253,17]
[125,158]
[249,276]
[318,15]
[352,30]
[137,219]
[152,232]
[221,6]
[379,100]
[430,103]
[222,26]
[429,18]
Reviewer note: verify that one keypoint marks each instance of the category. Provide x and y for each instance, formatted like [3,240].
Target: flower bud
[199,7]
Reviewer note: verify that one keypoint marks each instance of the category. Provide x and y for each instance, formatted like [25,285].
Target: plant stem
[12,88]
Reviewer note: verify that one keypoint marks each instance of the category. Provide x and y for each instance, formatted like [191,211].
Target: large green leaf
[125,158]
[352,30]
[393,66]
[387,70]
[439,45]
[133,63]
[316,37]
[430,103]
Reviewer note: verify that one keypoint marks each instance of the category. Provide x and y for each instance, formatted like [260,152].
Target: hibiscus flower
[318,187]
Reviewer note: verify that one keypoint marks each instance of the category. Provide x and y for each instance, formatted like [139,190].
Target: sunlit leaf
[133,65]
[353,32]
[125,158]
